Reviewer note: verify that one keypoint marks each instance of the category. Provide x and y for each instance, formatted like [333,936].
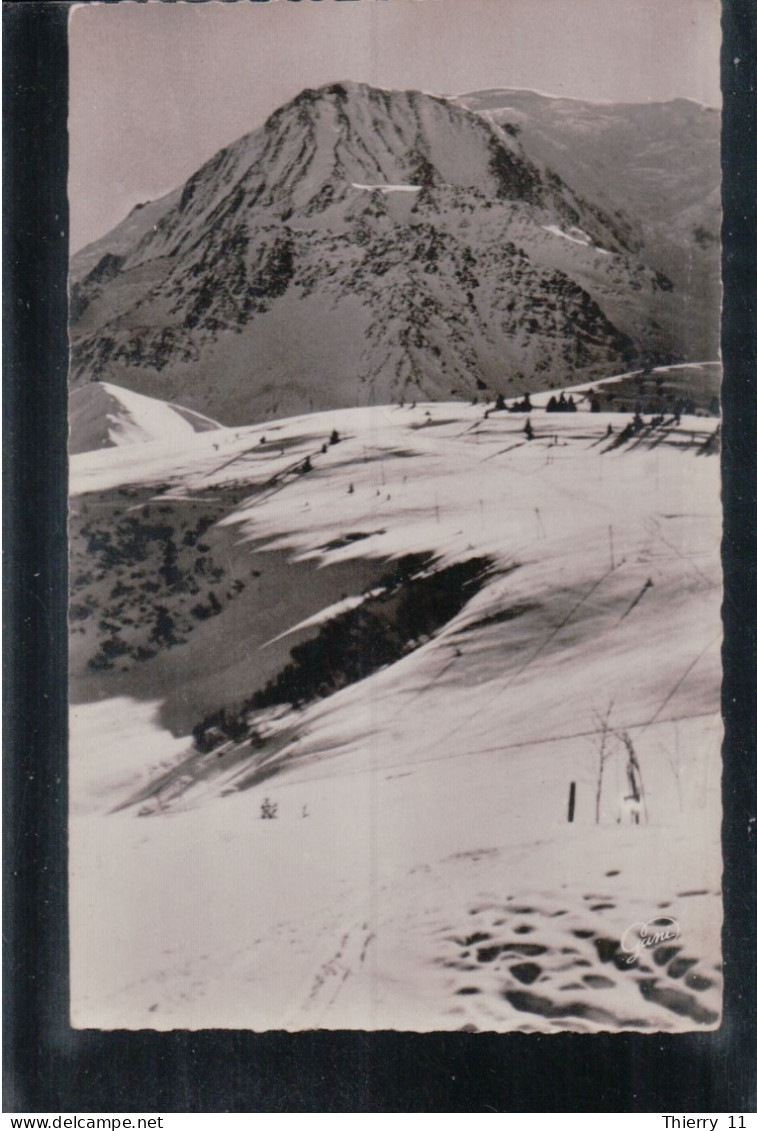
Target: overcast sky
[157,88]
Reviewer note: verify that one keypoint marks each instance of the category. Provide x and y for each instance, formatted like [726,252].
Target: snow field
[422,806]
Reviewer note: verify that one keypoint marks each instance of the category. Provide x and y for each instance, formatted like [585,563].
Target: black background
[48,1066]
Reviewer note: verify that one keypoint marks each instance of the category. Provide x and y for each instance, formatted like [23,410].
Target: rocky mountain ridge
[365,246]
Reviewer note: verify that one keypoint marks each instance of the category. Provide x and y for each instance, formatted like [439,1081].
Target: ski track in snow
[420,872]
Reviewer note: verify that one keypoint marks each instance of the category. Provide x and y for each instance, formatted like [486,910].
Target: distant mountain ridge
[367,245]
[658,162]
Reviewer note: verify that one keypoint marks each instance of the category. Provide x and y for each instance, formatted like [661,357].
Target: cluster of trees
[411,606]
[218,728]
[519,406]
[522,406]
[160,568]
[564,404]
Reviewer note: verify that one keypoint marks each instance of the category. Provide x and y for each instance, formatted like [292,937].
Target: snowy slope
[104,416]
[421,872]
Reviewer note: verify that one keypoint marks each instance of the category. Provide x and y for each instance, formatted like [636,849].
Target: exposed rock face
[366,245]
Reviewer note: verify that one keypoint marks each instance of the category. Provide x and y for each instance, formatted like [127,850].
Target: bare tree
[635,784]
[604,753]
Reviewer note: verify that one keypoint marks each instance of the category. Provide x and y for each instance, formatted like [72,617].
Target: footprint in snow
[543,966]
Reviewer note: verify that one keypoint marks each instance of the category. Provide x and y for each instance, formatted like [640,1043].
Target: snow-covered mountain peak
[366,245]
[102,415]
